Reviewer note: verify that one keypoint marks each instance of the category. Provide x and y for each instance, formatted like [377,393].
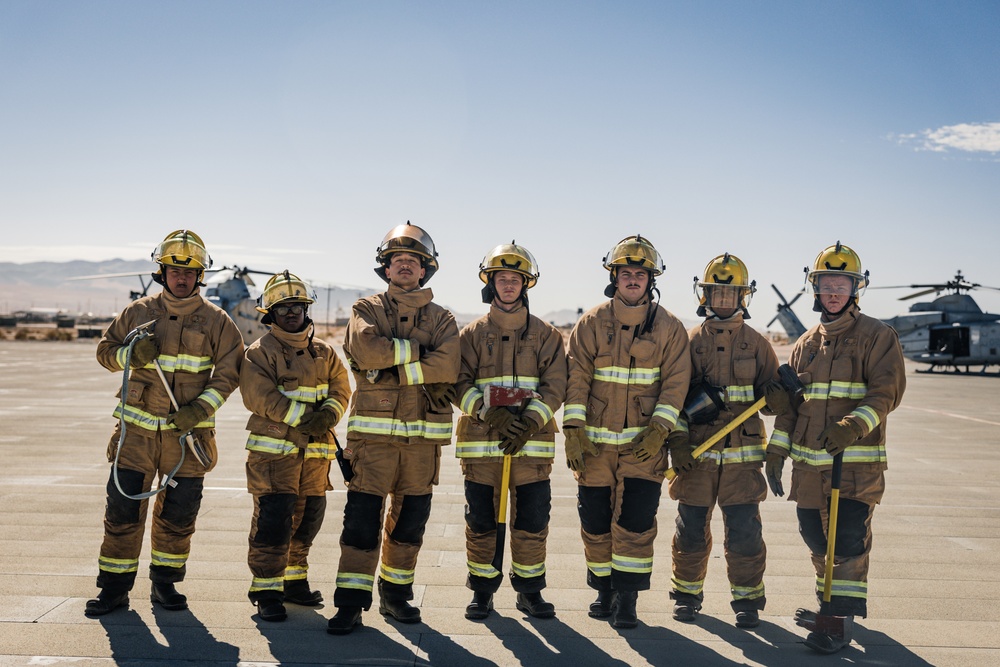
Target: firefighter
[200,350]
[508,348]
[629,370]
[731,365]
[852,368]
[297,389]
[404,352]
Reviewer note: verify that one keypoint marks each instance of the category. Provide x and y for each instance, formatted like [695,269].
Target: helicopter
[949,332]
[788,319]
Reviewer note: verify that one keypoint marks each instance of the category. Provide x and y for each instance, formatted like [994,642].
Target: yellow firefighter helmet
[184,249]
[510,257]
[283,287]
[634,251]
[407,238]
[838,260]
[727,271]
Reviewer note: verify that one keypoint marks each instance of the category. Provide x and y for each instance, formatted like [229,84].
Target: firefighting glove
[649,442]
[440,394]
[839,436]
[772,470]
[317,422]
[776,397]
[504,421]
[143,352]
[578,444]
[511,446]
[187,417]
[679,446]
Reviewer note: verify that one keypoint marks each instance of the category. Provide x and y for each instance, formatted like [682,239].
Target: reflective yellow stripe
[599,569]
[609,437]
[739,393]
[118,565]
[781,440]
[853,454]
[487,448]
[337,406]
[266,445]
[469,400]
[822,391]
[844,588]
[187,363]
[868,416]
[412,373]
[485,570]
[629,564]
[150,422]
[573,411]
[402,351]
[399,429]
[213,398]
[527,571]
[630,376]
[167,560]
[306,394]
[296,411]
[747,592]
[395,576]
[689,587]
[520,382]
[272,584]
[667,412]
[540,408]
[296,572]
[356,580]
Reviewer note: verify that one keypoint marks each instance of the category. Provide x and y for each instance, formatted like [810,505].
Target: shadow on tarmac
[187,639]
[561,646]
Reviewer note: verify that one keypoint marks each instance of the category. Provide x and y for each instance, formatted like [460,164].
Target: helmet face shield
[284,288]
[510,257]
[407,238]
[184,249]
[837,261]
[726,280]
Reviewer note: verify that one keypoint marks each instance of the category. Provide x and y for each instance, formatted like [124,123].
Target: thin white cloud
[967,137]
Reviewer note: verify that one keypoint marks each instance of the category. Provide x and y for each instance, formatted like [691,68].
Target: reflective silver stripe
[739,393]
[397,428]
[609,437]
[213,398]
[396,576]
[306,394]
[140,418]
[689,587]
[271,584]
[485,570]
[821,391]
[120,356]
[294,572]
[296,411]
[184,362]
[265,445]
[745,454]
[747,592]
[853,454]
[359,581]
[844,588]
[868,416]
[167,560]
[338,408]
[780,439]
[629,564]
[622,375]
[542,409]
[118,565]
[491,448]
[599,569]
[527,571]
[469,400]
[573,411]
[520,382]
[667,412]
[402,351]
[413,372]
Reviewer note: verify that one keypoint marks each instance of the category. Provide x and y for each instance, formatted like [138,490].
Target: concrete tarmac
[934,581]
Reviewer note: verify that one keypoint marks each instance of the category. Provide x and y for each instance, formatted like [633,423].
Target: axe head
[496,396]
[841,627]
[790,380]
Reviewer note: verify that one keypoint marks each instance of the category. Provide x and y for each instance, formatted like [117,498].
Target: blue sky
[295,134]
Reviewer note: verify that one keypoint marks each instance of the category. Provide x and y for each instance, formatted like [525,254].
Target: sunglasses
[296,309]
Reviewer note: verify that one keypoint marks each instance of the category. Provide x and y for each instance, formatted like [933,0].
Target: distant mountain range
[47,286]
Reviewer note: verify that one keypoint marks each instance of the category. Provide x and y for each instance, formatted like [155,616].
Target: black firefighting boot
[106,602]
[624,610]
[747,618]
[394,601]
[534,605]
[270,609]
[344,621]
[167,597]
[480,607]
[686,612]
[826,644]
[602,606]
[297,592]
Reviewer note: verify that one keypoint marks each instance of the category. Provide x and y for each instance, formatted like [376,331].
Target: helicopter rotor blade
[920,293]
[773,320]
[796,298]
[98,276]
